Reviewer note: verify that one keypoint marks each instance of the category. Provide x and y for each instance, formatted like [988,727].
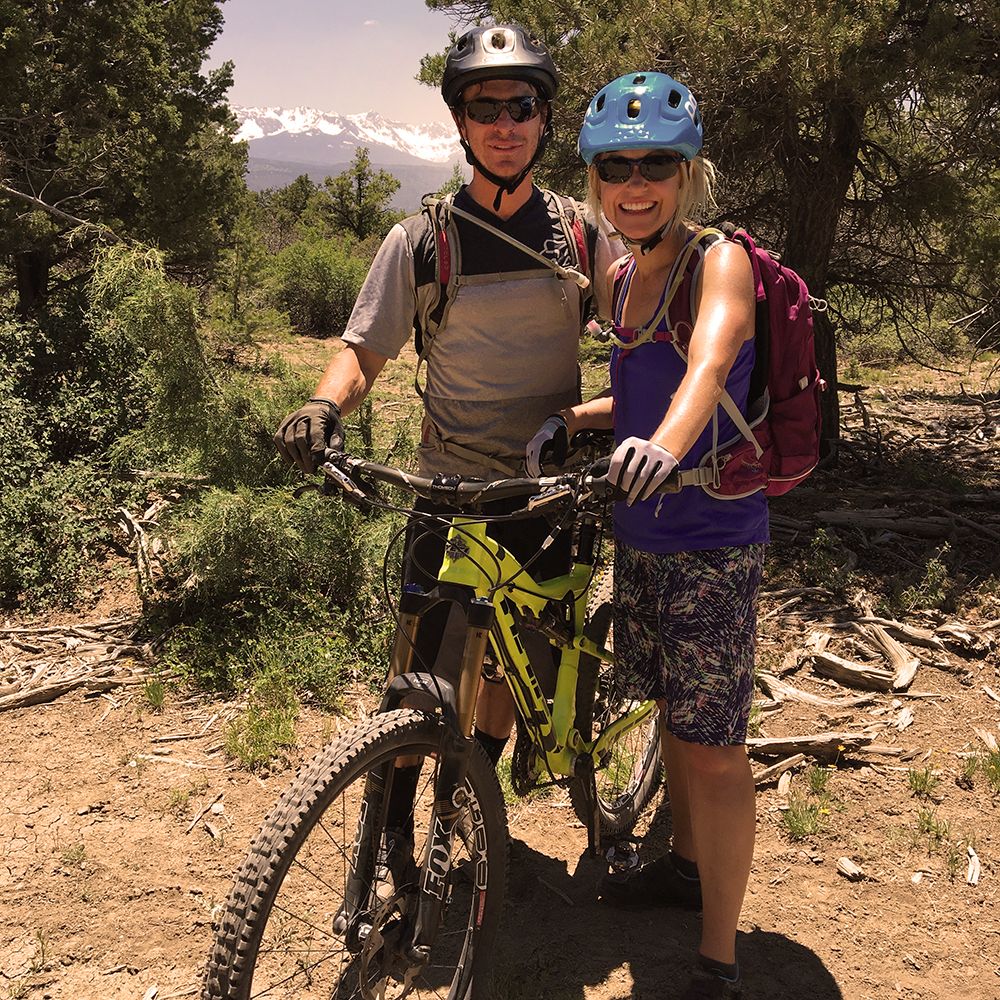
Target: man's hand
[550,444]
[638,467]
[305,434]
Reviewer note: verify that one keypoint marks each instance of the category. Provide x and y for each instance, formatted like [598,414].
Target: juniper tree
[105,113]
[857,137]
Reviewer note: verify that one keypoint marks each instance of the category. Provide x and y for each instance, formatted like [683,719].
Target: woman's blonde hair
[696,196]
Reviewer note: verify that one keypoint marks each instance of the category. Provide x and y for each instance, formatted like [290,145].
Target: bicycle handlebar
[345,471]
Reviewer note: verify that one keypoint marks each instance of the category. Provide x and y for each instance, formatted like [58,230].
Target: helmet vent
[636,80]
[499,41]
[601,98]
[674,99]
[634,107]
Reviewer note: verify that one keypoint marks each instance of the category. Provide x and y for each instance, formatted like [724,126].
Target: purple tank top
[643,382]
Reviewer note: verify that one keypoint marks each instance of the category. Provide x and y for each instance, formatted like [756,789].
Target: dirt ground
[120,829]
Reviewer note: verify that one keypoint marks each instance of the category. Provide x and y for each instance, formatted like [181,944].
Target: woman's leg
[681,840]
[723,825]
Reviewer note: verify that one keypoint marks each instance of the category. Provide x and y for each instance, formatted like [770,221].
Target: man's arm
[349,377]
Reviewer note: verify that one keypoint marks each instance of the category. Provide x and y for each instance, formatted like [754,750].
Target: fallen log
[824,745]
[858,675]
[775,687]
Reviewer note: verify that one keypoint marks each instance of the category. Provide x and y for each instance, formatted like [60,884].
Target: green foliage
[104,109]
[54,528]
[923,782]
[803,817]
[936,587]
[356,202]
[262,581]
[936,831]
[315,281]
[267,727]
[453,184]
[989,764]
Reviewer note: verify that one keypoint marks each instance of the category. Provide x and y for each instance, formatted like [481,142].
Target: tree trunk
[32,270]
[819,173]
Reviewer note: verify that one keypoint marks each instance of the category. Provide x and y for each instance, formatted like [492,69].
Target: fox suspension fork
[450,795]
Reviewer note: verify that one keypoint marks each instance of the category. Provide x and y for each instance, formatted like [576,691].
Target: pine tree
[106,115]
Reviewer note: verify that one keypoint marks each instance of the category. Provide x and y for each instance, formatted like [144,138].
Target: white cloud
[371,24]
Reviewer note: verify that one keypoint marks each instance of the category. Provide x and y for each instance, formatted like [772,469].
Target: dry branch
[782,690]
[904,663]
[858,675]
[819,745]
[776,770]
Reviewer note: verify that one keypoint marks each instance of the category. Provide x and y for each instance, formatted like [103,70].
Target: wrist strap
[323,399]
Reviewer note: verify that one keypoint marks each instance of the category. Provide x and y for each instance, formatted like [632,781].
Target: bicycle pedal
[622,857]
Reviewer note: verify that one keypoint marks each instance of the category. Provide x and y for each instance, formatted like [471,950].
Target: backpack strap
[675,279]
[726,401]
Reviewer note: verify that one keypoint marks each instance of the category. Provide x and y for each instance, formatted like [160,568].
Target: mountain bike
[333,901]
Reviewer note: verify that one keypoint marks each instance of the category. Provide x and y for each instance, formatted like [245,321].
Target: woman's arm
[725,319]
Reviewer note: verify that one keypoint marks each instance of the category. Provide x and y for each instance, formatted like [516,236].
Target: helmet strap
[650,243]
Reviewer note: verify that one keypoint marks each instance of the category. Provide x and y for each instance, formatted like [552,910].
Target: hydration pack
[779,437]
[437,260]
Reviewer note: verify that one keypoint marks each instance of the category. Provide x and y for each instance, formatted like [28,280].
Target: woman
[687,566]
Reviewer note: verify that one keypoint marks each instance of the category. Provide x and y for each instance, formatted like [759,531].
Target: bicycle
[330,902]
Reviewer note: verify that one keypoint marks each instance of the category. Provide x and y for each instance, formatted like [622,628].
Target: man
[499,337]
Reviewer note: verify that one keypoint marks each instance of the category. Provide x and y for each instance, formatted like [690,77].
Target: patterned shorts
[685,632]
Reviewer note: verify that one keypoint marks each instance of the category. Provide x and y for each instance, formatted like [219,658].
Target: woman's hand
[638,467]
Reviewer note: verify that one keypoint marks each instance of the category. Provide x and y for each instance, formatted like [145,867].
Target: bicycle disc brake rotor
[385,972]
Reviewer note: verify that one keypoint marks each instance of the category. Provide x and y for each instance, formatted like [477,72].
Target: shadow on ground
[560,943]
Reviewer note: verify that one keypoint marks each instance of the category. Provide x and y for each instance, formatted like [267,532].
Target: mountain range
[284,143]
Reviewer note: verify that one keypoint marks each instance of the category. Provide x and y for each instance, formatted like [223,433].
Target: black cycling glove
[305,434]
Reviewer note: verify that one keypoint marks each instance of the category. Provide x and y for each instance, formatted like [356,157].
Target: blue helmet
[641,111]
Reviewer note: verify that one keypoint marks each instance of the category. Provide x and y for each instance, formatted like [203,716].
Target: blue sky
[336,55]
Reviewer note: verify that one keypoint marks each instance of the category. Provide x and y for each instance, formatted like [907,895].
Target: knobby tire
[302,953]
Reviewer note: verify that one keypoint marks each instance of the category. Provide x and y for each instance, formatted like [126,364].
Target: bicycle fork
[450,794]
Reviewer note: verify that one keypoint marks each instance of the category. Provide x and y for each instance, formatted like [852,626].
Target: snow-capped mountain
[284,143]
[306,135]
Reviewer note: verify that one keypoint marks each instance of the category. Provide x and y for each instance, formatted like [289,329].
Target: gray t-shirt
[507,356]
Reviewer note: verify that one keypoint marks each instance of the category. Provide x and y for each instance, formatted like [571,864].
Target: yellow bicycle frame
[473,559]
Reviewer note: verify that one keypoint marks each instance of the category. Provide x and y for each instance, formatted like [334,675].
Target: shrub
[316,281]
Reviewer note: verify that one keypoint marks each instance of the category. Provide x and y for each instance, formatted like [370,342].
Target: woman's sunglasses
[486,110]
[653,166]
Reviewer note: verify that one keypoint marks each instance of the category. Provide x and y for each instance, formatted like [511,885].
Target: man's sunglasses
[486,110]
[653,166]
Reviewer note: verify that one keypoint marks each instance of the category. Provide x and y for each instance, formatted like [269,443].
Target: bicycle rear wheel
[282,933]
[630,772]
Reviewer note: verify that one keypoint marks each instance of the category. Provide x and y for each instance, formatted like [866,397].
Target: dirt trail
[107,888]
[105,894]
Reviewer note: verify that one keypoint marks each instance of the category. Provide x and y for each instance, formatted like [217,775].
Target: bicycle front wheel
[628,775]
[284,933]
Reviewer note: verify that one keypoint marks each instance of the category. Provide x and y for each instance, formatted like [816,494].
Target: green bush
[260,580]
[315,281]
[54,529]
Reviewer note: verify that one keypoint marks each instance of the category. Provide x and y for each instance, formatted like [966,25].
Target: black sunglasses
[486,110]
[653,166]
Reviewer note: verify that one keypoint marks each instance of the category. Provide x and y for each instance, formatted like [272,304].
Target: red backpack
[779,437]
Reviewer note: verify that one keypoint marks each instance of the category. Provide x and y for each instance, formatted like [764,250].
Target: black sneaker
[706,986]
[656,883]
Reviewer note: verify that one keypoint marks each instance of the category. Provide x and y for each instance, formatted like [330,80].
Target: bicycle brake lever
[551,495]
[345,482]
